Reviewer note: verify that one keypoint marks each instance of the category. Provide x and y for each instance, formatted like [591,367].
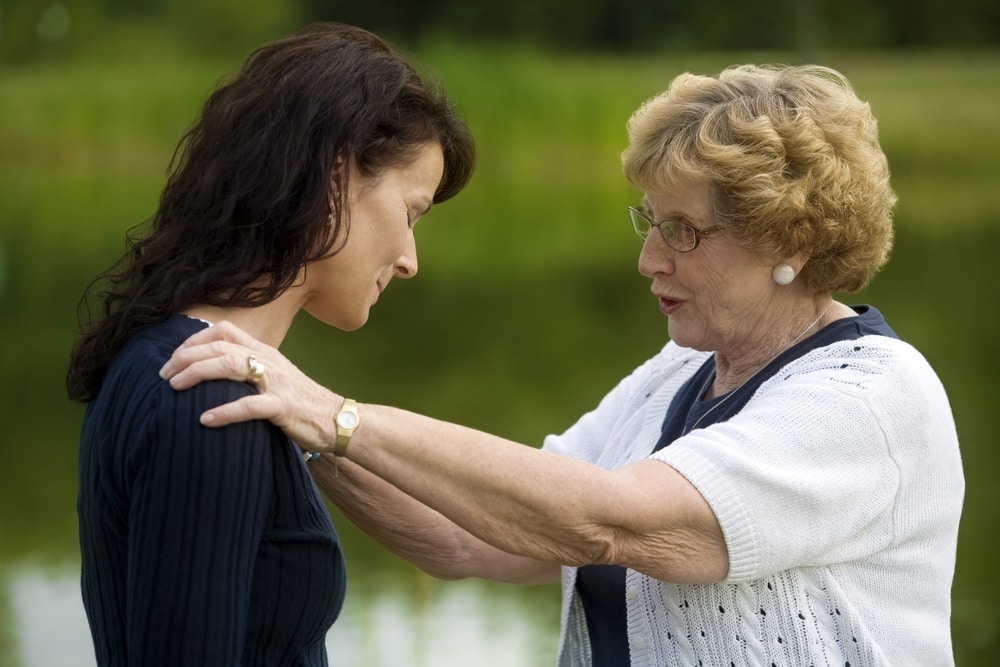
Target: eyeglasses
[680,236]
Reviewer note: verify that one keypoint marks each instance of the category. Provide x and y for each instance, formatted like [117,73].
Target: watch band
[347,421]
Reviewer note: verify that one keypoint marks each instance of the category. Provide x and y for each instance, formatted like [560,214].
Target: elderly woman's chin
[685,336]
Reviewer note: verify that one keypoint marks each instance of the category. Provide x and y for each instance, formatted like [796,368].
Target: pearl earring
[783,274]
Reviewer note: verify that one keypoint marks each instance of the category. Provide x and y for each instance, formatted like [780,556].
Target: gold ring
[257,369]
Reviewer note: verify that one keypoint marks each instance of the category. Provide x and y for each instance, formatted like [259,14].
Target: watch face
[347,420]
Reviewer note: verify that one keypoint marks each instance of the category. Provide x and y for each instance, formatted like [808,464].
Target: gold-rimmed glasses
[679,235]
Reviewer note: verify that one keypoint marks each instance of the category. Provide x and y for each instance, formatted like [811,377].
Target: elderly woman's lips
[669,306]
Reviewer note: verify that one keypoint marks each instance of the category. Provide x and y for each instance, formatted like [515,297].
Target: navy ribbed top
[199,546]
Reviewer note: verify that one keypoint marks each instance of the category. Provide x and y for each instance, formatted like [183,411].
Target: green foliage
[58,31]
[228,26]
[61,29]
[614,25]
[528,307]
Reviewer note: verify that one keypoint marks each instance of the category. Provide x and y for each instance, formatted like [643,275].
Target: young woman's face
[340,289]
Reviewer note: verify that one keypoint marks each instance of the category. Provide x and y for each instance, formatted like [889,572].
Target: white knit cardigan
[838,487]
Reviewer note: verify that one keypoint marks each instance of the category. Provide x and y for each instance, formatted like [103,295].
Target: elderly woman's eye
[687,233]
[672,229]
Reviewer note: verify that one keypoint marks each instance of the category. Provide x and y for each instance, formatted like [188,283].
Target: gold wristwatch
[347,421]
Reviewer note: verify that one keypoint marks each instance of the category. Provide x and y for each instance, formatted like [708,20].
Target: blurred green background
[528,307]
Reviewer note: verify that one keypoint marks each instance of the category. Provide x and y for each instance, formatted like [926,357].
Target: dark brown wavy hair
[250,193]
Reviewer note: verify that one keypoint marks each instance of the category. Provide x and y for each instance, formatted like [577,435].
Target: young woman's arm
[417,533]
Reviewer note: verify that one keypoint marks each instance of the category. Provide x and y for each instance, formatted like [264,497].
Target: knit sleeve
[199,501]
[811,471]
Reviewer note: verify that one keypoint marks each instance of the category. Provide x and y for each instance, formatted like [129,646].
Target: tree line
[36,28]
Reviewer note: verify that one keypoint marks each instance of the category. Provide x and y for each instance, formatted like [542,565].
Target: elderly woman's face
[718,296]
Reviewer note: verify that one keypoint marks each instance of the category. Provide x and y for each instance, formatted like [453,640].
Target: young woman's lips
[669,306]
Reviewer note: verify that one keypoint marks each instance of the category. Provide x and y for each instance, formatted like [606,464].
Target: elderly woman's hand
[286,396]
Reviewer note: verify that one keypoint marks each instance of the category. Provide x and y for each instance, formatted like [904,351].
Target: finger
[244,409]
[222,338]
[204,363]
[226,330]
[205,345]
[182,357]
[221,331]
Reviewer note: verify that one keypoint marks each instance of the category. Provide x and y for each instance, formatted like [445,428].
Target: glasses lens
[680,235]
[640,223]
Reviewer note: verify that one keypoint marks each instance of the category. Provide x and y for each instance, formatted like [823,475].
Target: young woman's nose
[406,265]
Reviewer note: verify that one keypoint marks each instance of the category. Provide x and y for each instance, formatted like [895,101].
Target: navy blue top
[602,587]
[199,546]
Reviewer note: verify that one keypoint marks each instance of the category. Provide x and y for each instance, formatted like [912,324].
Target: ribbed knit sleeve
[199,546]
[196,518]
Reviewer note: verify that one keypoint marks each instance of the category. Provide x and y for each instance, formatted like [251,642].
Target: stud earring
[783,274]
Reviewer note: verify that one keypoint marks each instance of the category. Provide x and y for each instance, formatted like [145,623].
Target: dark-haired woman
[297,189]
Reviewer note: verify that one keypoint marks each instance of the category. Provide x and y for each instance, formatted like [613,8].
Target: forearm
[417,533]
[544,506]
[518,499]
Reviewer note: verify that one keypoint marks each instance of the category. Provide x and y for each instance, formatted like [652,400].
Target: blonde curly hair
[793,160]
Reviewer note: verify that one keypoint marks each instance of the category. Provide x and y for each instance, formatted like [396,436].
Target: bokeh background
[528,306]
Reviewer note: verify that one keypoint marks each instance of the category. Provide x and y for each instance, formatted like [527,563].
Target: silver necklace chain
[711,376]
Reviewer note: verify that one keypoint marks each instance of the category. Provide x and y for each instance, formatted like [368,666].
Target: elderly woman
[297,189]
[780,484]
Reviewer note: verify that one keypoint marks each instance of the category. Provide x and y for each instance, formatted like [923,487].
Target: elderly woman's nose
[656,256]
